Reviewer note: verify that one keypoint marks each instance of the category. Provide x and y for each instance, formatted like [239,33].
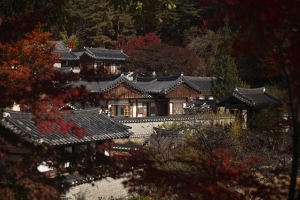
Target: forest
[242,43]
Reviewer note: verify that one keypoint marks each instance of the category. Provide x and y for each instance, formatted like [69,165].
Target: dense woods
[237,43]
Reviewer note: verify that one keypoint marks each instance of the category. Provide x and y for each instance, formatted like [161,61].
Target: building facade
[147,97]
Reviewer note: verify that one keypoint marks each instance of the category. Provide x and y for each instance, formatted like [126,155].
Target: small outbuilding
[96,128]
[246,101]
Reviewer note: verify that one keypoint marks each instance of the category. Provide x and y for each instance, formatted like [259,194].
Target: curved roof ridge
[251,90]
[102,49]
[271,96]
[17,114]
[173,86]
[190,84]
[109,54]
[109,78]
[66,54]
[242,95]
[130,83]
[85,111]
[190,81]
[89,53]
[255,97]
[144,79]
[98,126]
[169,78]
[122,79]
[197,77]
[164,85]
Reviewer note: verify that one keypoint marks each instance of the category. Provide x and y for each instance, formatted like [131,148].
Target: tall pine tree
[95,23]
[224,68]
[226,76]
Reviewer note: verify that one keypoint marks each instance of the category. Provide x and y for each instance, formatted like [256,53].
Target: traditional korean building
[117,92]
[245,101]
[245,98]
[170,95]
[106,60]
[101,59]
[146,97]
[98,127]
[68,61]
[165,139]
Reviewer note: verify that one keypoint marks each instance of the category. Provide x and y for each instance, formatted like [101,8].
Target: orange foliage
[26,60]
[269,30]
[25,63]
[129,46]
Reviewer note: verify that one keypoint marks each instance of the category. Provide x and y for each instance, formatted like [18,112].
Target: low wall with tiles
[143,127]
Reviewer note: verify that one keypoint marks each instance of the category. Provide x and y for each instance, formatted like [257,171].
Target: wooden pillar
[136,108]
[155,109]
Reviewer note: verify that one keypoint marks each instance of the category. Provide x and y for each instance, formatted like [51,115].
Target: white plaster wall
[57,65]
[134,110]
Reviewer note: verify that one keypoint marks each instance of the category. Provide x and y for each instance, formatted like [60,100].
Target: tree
[71,41]
[272,125]
[206,163]
[21,17]
[175,22]
[25,63]
[224,67]
[162,59]
[144,12]
[270,32]
[204,45]
[26,78]
[26,72]
[226,76]
[129,46]
[95,23]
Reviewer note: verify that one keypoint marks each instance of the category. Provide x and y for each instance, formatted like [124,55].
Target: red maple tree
[129,46]
[214,166]
[269,30]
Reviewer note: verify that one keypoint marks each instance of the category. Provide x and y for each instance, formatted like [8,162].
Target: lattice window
[177,108]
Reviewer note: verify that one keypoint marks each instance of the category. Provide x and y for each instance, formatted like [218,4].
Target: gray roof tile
[164,85]
[105,84]
[101,54]
[97,126]
[66,54]
[165,139]
[254,97]
[106,54]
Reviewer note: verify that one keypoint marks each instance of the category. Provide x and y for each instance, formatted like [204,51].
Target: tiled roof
[98,127]
[79,105]
[145,85]
[254,97]
[165,139]
[198,83]
[101,54]
[164,85]
[105,84]
[107,54]
[66,54]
